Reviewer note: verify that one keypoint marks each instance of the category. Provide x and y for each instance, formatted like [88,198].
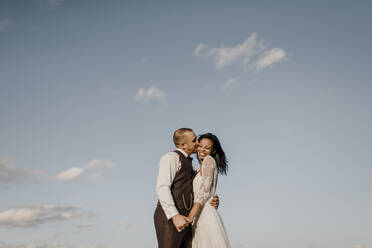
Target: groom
[175,192]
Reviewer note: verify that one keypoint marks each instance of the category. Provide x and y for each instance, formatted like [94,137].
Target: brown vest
[181,187]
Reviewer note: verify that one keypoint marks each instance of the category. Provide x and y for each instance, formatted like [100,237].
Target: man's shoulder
[170,155]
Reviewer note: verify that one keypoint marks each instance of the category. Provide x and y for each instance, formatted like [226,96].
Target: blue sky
[91,92]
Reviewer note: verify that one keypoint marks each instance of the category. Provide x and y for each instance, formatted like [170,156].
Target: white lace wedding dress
[208,228]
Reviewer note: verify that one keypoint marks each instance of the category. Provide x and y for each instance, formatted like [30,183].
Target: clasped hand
[181,222]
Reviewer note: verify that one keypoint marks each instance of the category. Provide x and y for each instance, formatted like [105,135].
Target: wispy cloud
[70,174]
[152,93]
[75,172]
[96,163]
[270,57]
[10,174]
[4,24]
[199,49]
[34,215]
[227,55]
[231,82]
[244,54]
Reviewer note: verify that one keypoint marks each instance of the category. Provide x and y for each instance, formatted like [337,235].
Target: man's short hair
[178,135]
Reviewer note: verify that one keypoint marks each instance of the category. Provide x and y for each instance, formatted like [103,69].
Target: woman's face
[204,148]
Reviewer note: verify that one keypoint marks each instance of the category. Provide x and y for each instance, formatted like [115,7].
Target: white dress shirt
[169,164]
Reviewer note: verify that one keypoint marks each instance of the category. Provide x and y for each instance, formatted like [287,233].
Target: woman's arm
[204,192]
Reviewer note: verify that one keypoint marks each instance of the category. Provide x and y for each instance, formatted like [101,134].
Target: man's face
[190,143]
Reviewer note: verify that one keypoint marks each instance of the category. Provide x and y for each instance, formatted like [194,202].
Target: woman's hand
[189,219]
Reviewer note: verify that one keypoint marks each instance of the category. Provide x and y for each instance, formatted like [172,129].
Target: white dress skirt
[208,228]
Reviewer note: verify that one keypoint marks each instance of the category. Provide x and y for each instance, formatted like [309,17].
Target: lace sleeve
[205,190]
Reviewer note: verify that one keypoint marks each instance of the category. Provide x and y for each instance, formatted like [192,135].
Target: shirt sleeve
[168,166]
[205,190]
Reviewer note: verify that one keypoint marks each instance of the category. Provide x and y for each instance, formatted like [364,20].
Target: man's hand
[215,202]
[180,222]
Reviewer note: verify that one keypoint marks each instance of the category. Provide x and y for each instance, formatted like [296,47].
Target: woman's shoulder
[210,160]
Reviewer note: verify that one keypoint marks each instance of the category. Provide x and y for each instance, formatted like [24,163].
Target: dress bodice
[204,184]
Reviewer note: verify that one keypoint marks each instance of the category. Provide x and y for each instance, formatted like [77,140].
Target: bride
[208,228]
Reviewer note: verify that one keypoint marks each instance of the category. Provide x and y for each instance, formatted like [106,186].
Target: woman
[208,228]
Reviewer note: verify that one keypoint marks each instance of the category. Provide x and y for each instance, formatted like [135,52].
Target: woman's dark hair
[217,153]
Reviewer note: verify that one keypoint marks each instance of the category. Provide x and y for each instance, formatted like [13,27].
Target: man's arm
[168,166]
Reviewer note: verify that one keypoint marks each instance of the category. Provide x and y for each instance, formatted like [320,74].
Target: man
[175,192]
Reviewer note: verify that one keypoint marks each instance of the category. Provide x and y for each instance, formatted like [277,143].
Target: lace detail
[206,188]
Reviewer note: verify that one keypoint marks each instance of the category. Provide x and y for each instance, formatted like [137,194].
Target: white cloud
[141,94]
[9,173]
[34,215]
[152,93]
[231,82]
[100,163]
[243,54]
[270,57]
[70,174]
[4,24]
[75,172]
[198,49]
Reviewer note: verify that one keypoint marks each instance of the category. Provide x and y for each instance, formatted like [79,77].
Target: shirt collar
[183,152]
